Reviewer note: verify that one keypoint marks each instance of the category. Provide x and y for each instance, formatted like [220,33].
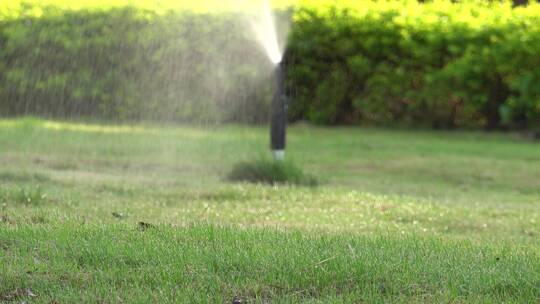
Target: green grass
[73,263]
[402,216]
[271,172]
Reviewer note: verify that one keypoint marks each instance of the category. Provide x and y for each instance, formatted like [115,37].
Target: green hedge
[128,63]
[439,64]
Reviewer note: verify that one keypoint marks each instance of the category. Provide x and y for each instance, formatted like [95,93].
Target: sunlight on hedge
[14,8]
[471,12]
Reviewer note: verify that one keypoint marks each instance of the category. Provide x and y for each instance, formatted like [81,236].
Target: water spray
[264,27]
[279,116]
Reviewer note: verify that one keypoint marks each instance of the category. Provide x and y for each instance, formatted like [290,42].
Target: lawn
[399,216]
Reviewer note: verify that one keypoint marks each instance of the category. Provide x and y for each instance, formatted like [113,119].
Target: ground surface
[401,216]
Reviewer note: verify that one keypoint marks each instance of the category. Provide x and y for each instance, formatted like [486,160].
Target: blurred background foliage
[440,64]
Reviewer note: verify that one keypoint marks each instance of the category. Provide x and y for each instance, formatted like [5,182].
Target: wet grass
[402,216]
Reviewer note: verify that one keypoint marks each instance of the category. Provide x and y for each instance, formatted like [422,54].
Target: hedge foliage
[132,63]
[440,63]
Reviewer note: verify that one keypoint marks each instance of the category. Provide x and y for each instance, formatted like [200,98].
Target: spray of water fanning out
[264,27]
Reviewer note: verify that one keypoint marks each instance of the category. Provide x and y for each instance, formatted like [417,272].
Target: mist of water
[195,68]
[264,28]
[187,66]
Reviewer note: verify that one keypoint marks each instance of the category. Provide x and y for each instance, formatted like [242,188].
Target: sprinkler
[279,116]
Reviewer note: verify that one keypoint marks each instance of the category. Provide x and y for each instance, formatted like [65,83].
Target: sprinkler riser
[279,154]
[279,116]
